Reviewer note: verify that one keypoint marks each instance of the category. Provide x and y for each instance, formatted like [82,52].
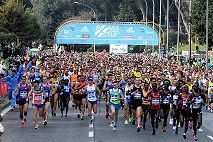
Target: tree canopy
[16,23]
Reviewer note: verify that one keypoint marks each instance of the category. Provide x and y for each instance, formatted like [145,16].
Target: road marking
[200,130]
[6,110]
[210,137]
[91,134]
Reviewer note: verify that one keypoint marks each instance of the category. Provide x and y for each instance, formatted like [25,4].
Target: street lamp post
[207,32]
[153,17]
[167,26]
[178,36]
[160,28]
[94,14]
[190,33]
[146,20]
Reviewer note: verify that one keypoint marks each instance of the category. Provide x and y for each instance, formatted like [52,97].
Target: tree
[125,13]
[17,22]
[199,21]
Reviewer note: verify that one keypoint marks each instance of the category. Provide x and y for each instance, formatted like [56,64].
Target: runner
[136,99]
[155,107]
[92,98]
[55,92]
[165,103]
[185,109]
[127,102]
[22,91]
[114,100]
[65,98]
[197,103]
[47,90]
[146,103]
[37,94]
[107,86]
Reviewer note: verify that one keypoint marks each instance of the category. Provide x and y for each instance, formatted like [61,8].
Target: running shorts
[116,106]
[38,106]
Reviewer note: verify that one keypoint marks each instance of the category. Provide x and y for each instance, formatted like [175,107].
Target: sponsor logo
[85,35]
[85,30]
[130,30]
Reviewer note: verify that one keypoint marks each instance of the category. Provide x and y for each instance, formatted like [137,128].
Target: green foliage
[16,22]
[199,21]
[125,13]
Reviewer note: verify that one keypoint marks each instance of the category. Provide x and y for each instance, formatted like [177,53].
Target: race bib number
[38,100]
[155,102]
[23,94]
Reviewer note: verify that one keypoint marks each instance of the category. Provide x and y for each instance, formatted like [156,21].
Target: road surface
[72,129]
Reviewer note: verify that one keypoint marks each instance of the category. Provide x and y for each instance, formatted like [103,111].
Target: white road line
[200,130]
[6,110]
[91,134]
[210,137]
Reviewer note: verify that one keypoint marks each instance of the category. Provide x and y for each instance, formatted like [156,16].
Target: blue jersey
[46,89]
[66,89]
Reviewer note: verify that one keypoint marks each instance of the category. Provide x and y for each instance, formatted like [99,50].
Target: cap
[36,81]
[90,78]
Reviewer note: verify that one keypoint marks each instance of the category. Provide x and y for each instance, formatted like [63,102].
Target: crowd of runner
[143,86]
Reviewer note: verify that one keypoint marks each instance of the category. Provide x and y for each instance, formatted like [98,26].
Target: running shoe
[126,122]
[174,127]
[82,117]
[141,125]
[25,121]
[22,123]
[163,129]
[184,136]
[190,125]
[36,126]
[153,132]
[45,122]
[107,116]
[176,132]
[179,126]
[112,124]
[138,129]
[114,129]
[195,138]
[171,121]
[65,115]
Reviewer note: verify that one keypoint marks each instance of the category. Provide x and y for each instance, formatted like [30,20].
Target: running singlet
[46,89]
[137,93]
[184,99]
[91,93]
[74,78]
[175,98]
[196,102]
[166,99]
[155,100]
[66,90]
[127,93]
[38,97]
[32,78]
[115,96]
[122,84]
[145,97]
[55,83]
[109,85]
[81,86]
[95,77]
[23,92]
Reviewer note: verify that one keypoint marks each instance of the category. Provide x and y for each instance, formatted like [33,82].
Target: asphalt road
[72,129]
